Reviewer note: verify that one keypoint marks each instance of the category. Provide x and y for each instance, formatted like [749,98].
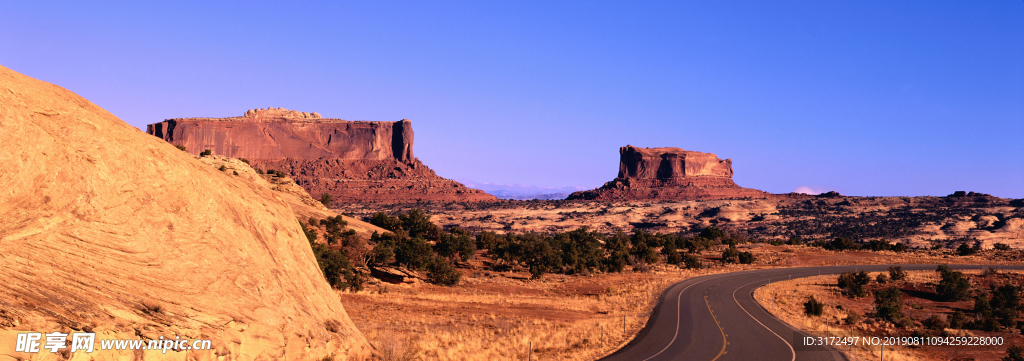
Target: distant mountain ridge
[522,191]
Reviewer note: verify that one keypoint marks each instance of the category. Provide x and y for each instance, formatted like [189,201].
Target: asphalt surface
[715,317]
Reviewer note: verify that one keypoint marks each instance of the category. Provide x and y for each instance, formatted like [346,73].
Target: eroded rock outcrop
[354,161]
[670,174]
[112,231]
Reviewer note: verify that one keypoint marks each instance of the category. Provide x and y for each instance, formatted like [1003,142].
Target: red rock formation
[351,160]
[670,174]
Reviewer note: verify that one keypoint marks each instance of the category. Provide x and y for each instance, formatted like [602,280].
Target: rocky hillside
[109,230]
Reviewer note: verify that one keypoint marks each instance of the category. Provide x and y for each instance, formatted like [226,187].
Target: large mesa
[111,231]
[670,174]
[354,161]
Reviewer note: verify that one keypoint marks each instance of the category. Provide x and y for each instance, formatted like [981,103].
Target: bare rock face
[112,231]
[670,174]
[354,161]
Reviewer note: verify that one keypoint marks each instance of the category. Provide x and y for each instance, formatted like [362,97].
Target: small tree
[1014,353]
[712,233]
[882,278]
[896,273]
[206,153]
[854,282]
[692,262]
[326,199]
[413,252]
[935,323]
[957,319]
[889,304]
[672,255]
[965,250]
[747,258]
[812,307]
[1001,246]
[953,286]
[441,272]
[731,255]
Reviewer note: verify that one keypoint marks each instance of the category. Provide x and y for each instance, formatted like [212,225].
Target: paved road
[715,317]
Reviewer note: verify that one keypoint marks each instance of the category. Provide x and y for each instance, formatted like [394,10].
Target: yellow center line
[724,339]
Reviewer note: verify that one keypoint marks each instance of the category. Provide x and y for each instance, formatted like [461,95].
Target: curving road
[715,317]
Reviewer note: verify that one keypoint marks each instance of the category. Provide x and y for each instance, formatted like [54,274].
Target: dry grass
[498,318]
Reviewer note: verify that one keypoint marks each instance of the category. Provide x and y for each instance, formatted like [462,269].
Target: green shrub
[954,286]
[747,258]
[852,318]
[223,168]
[712,233]
[181,147]
[896,273]
[385,221]
[965,250]
[731,255]
[325,199]
[672,255]
[882,278]
[1001,247]
[456,244]
[692,262]
[206,153]
[812,307]
[889,304]
[1014,353]
[617,248]
[957,320]
[441,272]
[413,253]
[854,282]
[935,323]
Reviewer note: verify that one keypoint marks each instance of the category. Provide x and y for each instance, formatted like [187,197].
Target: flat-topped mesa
[276,133]
[670,174]
[351,160]
[667,163]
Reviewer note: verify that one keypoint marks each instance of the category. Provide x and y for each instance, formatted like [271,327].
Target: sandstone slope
[301,203]
[110,230]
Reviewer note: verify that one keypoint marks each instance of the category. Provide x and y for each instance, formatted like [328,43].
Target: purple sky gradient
[867,98]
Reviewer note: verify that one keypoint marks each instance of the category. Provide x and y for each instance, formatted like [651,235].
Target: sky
[867,98]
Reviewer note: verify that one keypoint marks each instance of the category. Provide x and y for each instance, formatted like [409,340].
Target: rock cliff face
[112,231]
[354,161]
[670,174]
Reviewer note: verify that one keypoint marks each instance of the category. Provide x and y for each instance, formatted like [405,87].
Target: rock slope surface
[110,230]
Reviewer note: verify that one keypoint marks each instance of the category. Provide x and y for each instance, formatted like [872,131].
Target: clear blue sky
[866,98]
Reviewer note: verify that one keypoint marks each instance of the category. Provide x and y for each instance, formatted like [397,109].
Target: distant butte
[669,174]
[354,161]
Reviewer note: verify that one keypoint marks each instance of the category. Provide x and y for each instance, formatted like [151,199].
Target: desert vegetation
[902,222]
[943,302]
